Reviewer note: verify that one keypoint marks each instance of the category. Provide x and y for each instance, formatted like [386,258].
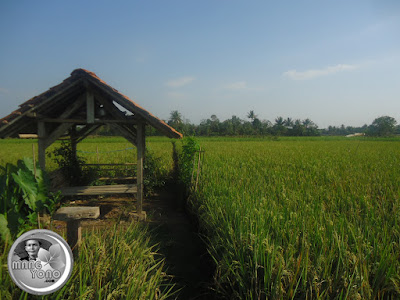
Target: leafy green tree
[298,128]
[383,126]
[310,127]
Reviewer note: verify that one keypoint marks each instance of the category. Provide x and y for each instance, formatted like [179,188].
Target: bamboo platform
[99,190]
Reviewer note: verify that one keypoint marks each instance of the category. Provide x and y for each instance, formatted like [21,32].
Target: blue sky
[335,62]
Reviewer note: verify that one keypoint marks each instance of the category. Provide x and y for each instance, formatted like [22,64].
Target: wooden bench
[99,190]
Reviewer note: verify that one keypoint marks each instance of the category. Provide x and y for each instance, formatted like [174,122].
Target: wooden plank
[100,190]
[28,136]
[77,213]
[117,178]
[124,164]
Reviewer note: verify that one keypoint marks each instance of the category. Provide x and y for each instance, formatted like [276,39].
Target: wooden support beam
[109,106]
[84,121]
[140,143]
[42,145]
[125,133]
[85,132]
[90,107]
[62,128]
[130,129]
[59,131]
[138,111]
[79,102]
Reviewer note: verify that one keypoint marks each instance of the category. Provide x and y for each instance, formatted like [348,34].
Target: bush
[186,159]
[153,175]
[71,165]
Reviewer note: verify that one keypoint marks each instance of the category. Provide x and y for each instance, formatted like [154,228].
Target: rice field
[120,263]
[93,150]
[293,218]
[302,219]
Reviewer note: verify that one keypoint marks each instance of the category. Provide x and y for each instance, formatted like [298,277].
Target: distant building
[356,134]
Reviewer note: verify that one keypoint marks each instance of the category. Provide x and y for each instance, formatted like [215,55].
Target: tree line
[235,126]
[381,126]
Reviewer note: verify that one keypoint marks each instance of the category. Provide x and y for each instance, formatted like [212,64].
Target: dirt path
[185,255]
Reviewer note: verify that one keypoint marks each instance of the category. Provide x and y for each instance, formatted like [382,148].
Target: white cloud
[179,82]
[309,74]
[240,85]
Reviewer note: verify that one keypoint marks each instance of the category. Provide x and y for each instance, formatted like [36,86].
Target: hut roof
[53,103]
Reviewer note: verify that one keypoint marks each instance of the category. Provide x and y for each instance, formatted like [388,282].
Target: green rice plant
[113,264]
[294,219]
[92,149]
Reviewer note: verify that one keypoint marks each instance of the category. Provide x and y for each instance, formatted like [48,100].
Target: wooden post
[74,235]
[34,160]
[73,216]
[140,144]
[42,145]
[90,107]
[73,140]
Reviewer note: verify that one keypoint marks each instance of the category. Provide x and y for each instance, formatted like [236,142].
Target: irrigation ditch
[175,230]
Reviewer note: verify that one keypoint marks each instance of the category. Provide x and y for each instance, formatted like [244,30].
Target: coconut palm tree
[175,118]
[288,122]
[251,115]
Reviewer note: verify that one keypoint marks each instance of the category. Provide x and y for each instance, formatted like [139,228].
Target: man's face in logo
[32,247]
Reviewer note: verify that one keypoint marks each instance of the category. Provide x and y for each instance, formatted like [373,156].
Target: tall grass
[119,263]
[302,219]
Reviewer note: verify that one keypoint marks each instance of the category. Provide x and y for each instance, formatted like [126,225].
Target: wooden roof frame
[83,99]
[85,84]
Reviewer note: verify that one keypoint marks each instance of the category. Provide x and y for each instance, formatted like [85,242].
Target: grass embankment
[297,219]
